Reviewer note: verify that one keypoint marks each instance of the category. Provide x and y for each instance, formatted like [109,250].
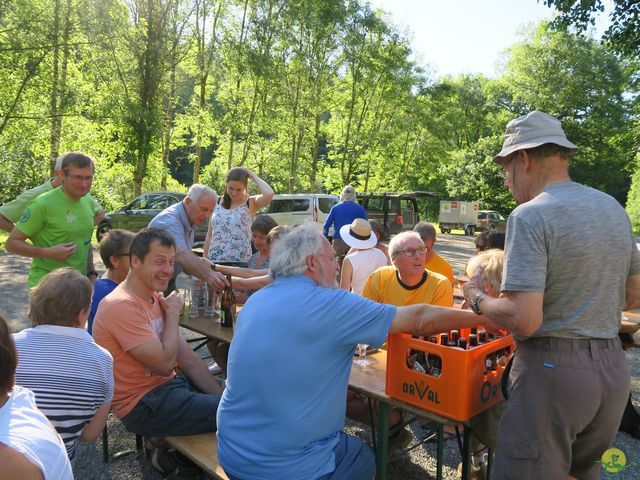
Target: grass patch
[3,238]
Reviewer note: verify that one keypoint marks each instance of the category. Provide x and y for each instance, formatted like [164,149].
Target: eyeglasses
[334,259]
[412,252]
[79,178]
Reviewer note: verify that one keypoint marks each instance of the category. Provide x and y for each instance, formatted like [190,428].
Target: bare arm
[160,355]
[241,272]
[16,243]
[632,292]
[207,241]
[254,283]
[425,320]
[200,267]
[196,370]
[346,275]
[5,224]
[99,217]
[16,465]
[518,312]
[266,194]
[93,429]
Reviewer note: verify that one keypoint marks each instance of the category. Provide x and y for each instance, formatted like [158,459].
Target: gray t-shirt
[573,243]
[175,220]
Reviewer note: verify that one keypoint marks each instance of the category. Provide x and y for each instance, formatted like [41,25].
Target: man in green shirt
[10,212]
[59,223]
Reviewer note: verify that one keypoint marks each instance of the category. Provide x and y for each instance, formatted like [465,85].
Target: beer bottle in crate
[227,305]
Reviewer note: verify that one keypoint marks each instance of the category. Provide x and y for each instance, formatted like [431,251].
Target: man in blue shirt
[180,220]
[341,214]
[282,413]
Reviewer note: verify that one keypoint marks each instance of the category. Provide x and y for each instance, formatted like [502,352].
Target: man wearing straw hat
[364,259]
[562,294]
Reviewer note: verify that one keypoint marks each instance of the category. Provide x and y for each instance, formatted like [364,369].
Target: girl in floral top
[228,240]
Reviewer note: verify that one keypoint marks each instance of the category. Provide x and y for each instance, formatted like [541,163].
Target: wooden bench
[202,450]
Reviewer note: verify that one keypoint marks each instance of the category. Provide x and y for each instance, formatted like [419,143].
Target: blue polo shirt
[175,220]
[341,214]
[288,372]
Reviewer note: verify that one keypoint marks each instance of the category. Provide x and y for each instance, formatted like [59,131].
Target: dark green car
[137,215]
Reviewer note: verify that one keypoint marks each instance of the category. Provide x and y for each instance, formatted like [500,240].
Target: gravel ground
[418,463]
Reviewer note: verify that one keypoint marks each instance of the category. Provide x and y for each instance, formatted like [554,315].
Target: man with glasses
[59,223]
[407,282]
[561,298]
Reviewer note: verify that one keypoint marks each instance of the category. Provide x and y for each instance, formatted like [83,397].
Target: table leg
[439,451]
[382,450]
[466,453]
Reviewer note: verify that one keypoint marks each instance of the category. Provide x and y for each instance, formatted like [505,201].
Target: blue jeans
[354,460]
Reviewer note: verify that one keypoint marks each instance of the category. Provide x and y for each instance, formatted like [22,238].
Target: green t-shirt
[52,218]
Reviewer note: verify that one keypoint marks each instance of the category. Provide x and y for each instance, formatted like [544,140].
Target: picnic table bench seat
[202,450]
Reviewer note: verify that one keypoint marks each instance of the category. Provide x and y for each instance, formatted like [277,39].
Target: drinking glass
[362,359]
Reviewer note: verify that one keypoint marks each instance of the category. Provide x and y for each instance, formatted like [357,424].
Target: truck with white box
[458,215]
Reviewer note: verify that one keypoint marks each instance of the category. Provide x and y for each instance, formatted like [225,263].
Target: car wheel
[443,230]
[102,230]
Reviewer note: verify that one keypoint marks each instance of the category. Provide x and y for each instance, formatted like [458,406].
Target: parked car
[297,208]
[136,215]
[488,219]
[394,211]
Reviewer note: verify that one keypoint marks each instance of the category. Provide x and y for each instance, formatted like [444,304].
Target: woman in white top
[30,448]
[228,240]
[363,259]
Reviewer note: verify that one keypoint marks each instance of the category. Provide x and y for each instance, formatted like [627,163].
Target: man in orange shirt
[433,261]
[139,327]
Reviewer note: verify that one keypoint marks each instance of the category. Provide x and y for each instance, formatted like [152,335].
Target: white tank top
[25,429]
[364,263]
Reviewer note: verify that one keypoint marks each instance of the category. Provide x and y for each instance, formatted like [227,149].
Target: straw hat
[358,234]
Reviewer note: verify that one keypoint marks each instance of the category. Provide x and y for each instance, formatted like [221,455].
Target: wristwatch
[474,302]
[92,273]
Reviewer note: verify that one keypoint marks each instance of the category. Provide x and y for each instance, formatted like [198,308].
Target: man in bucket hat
[562,294]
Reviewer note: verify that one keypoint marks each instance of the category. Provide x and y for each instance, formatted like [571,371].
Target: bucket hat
[358,234]
[532,130]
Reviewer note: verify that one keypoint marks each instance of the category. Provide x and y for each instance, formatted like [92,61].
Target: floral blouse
[231,237]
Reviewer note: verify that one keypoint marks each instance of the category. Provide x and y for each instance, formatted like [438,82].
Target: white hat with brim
[358,234]
[530,131]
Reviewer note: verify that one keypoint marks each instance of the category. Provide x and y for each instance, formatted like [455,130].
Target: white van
[298,208]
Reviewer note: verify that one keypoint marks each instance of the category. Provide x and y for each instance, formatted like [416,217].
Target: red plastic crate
[462,390]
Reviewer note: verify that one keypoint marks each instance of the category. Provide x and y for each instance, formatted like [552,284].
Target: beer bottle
[482,337]
[444,339]
[454,335]
[227,305]
[435,365]
[473,341]
[433,339]
[462,343]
